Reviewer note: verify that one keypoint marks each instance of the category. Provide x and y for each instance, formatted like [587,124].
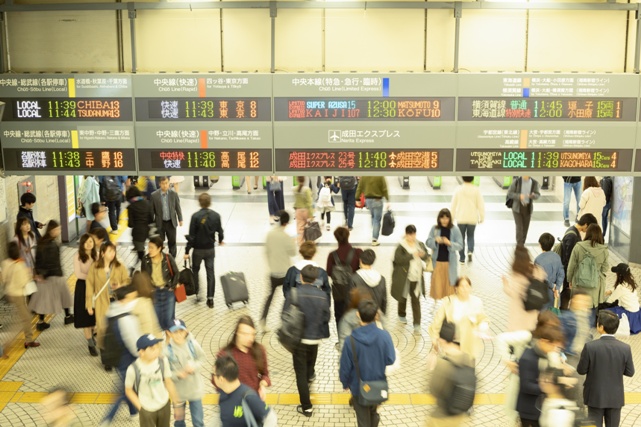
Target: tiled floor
[63,358]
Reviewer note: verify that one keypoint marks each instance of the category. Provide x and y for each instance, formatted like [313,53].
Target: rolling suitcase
[234,288]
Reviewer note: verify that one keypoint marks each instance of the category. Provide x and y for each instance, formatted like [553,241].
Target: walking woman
[592,200]
[105,275]
[592,246]
[304,205]
[466,312]
[275,198]
[53,294]
[144,308]
[162,269]
[26,241]
[250,356]
[15,276]
[407,276]
[82,262]
[140,217]
[446,241]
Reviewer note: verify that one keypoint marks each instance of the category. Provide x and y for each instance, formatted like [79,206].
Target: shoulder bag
[370,393]
[179,291]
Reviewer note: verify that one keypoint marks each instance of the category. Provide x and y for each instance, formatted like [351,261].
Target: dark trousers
[366,416]
[467,230]
[611,416]
[197,257]
[529,423]
[566,295]
[349,205]
[522,221]
[604,217]
[340,307]
[416,305]
[329,216]
[275,202]
[114,214]
[276,282]
[304,362]
[168,231]
[160,418]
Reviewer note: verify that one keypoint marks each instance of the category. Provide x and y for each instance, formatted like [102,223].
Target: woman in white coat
[592,199]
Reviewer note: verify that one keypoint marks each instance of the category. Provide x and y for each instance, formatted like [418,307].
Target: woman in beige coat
[144,308]
[104,276]
[515,286]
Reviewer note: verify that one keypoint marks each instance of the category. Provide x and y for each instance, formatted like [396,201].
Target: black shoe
[41,326]
[306,412]
[566,222]
[69,319]
[198,299]
[108,368]
[31,344]
[312,378]
[210,302]
[93,351]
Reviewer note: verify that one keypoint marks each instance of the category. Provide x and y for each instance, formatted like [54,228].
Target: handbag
[312,231]
[275,186]
[30,288]
[180,293]
[370,393]
[429,266]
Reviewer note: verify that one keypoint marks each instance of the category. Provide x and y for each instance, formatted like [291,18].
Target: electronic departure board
[227,116]
[364,161]
[72,123]
[543,160]
[204,160]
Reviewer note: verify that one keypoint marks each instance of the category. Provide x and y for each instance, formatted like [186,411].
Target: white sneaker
[328,227]
[263,326]
[375,242]
[469,256]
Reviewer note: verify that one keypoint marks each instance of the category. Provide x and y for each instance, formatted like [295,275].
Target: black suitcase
[234,288]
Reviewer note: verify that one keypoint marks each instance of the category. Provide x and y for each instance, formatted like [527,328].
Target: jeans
[206,255]
[550,303]
[366,416]
[612,416]
[375,207]
[168,231]
[114,214]
[416,304]
[165,306]
[304,361]
[604,218]
[122,371]
[275,202]
[197,415]
[349,206]
[276,282]
[469,230]
[567,193]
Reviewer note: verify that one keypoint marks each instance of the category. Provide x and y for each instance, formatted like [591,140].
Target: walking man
[347,185]
[570,184]
[167,214]
[468,210]
[523,191]
[375,190]
[204,226]
[365,355]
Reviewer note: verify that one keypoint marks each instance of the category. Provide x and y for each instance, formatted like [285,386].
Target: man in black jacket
[167,213]
[604,362]
[571,237]
[607,186]
[523,192]
[27,201]
[202,238]
[314,303]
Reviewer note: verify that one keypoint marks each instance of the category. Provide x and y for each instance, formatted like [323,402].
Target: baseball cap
[448,332]
[178,325]
[621,268]
[146,341]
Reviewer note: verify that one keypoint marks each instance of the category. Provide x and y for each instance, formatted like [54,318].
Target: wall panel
[299,40]
[246,40]
[440,40]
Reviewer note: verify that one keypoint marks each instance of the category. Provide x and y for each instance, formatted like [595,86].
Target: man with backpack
[571,237]
[341,264]
[119,342]
[204,226]
[113,191]
[348,185]
[371,280]
[365,355]
[606,185]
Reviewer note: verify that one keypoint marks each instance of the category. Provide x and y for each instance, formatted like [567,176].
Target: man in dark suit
[604,361]
[167,213]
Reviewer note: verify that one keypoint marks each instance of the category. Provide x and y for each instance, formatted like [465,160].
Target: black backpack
[536,295]
[113,347]
[113,192]
[292,326]
[204,234]
[347,182]
[461,398]
[388,223]
[342,276]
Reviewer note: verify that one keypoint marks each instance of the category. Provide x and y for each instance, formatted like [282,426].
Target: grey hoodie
[190,388]
[374,282]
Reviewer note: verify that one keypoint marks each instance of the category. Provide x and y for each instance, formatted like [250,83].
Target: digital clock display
[69,109]
[364,109]
[203,109]
[177,160]
[401,160]
[472,160]
[541,109]
[72,160]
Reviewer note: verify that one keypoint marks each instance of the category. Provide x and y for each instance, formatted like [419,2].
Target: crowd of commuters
[558,373]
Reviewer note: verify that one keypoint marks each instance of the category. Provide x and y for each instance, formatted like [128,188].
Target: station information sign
[547,120]
[192,123]
[353,116]
[67,122]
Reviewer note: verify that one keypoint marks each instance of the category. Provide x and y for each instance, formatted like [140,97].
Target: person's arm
[309,202]
[535,190]
[605,265]
[193,229]
[289,282]
[383,306]
[426,253]
[179,211]
[512,192]
[346,366]
[401,256]
[291,248]
[481,206]
[359,189]
[130,219]
[390,353]
[584,199]
[431,240]
[454,205]
[258,407]
[90,289]
[456,242]
[384,188]
[265,380]
[629,364]
[508,341]
[174,268]
[584,362]
[560,275]
[219,229]
[574,259]
[130,378]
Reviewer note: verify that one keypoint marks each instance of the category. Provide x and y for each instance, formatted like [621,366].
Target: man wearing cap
[149,386]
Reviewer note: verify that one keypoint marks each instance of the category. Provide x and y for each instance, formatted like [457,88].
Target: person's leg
[113,220]
[272,206]
[373,416]
[339,310]
[376,209]
[312,354]
[402,307]
[351,207]
[604,218]
[159,307]
[612,417]
[248,184]
[275,283]
[596,415]
[118,206]
[164,416]
[171,308]
[196,260]
[471,228]
[210,257]
[197,414]
[518,222]
[363,415]
[23,314]
[567,193]
[280,199]
[463,228]
[329,217]
[577,194]
[171,238]
[300,369]
[527,216]
[301,219]
[344,197]
[416,304]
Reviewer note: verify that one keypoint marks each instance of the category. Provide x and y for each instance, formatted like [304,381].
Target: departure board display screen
[364,109]
[203,109]
[470,160]
[68,109]
[566,109]
[218,160]
[365,160]
[52,161]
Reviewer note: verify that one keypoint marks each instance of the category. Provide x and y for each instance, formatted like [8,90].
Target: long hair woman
[446,241]
[82,262]
[26,240]
[592,199]
[250,356]
[53,294]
